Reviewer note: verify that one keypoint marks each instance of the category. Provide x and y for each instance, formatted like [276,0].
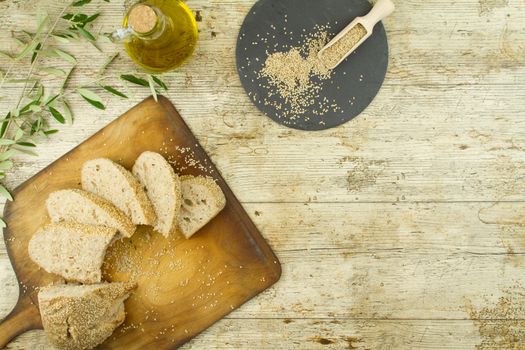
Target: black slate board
[283,24]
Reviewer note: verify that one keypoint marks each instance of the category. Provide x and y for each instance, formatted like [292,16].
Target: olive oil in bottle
[163,34]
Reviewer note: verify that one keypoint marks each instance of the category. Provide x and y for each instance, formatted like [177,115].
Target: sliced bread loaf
[163,188]
[71,250]
[114,183]
[82,316]
[202,200]
[86,208]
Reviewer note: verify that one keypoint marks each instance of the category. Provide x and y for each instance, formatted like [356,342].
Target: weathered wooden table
[402,229]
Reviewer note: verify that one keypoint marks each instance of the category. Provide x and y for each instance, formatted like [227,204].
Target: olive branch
[28,120]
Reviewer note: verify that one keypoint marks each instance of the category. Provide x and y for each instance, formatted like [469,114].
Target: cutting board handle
[24,317]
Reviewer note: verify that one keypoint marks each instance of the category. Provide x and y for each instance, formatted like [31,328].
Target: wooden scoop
[354,34]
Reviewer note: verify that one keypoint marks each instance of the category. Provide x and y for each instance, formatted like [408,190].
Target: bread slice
[112,182]
[86,208]
[82,316]
[202,200]
[163,188]
[72,250]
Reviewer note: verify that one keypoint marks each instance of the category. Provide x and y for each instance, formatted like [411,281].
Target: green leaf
[96,104]
[152,88]
[28,106]
[35,52]
[107,63]
[80,3]
[79,18]
[19,134]
[86,34]
[7,154]
[48,53]
[5,142]
[26,50]
[57,115]
[133,79]
[51,99]
[50,132]
[6,165]
[160,82]
[30,80]
[3,128]
[61,39]
[64,55]
[26,144]
[39,93]
[41,16]
[66,80]
[35,109]
[92,17]
[4,193]
[89,94]
[53,71]
[35,126]
[68,115]
[114,91]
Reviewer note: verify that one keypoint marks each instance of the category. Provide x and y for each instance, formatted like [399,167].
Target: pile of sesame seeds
[294,76]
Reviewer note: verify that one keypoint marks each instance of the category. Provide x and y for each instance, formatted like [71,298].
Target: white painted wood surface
[403,229]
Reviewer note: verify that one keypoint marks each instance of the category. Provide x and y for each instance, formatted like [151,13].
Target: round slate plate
[278,25]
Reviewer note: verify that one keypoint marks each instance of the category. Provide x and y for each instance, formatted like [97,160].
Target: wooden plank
[328,283]
[476,43]
[472,154]
[405,261]
[334,334]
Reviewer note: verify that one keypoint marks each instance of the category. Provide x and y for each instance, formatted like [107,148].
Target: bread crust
[84,318]
[124,224]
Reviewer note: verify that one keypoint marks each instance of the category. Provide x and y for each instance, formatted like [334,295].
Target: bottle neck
[146,21]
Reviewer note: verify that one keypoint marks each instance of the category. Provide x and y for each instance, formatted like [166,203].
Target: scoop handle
[381,9]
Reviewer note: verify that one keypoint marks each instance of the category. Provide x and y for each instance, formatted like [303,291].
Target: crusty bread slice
[72,250]
[82,316]
[202,200]
[86,208]
[163,188]
[114,183]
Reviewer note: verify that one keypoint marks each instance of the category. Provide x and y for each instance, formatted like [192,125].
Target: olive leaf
[135,80]
[57,115]
[80,3]
[68,115]
[107,63]
[64,55]
[91,97]
[4,142]
[6,165]
[26,144]
[53,71]
[159,82]
[114,91]
[4,193]
[86,34]
[151,84]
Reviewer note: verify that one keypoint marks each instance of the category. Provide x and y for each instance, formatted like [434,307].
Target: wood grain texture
[184,286]
[398,192]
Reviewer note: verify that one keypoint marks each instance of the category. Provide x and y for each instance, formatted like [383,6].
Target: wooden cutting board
[184,286]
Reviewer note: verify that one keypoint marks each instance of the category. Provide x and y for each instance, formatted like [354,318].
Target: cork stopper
[142,18]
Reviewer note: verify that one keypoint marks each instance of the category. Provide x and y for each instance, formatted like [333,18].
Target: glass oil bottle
[159,35]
